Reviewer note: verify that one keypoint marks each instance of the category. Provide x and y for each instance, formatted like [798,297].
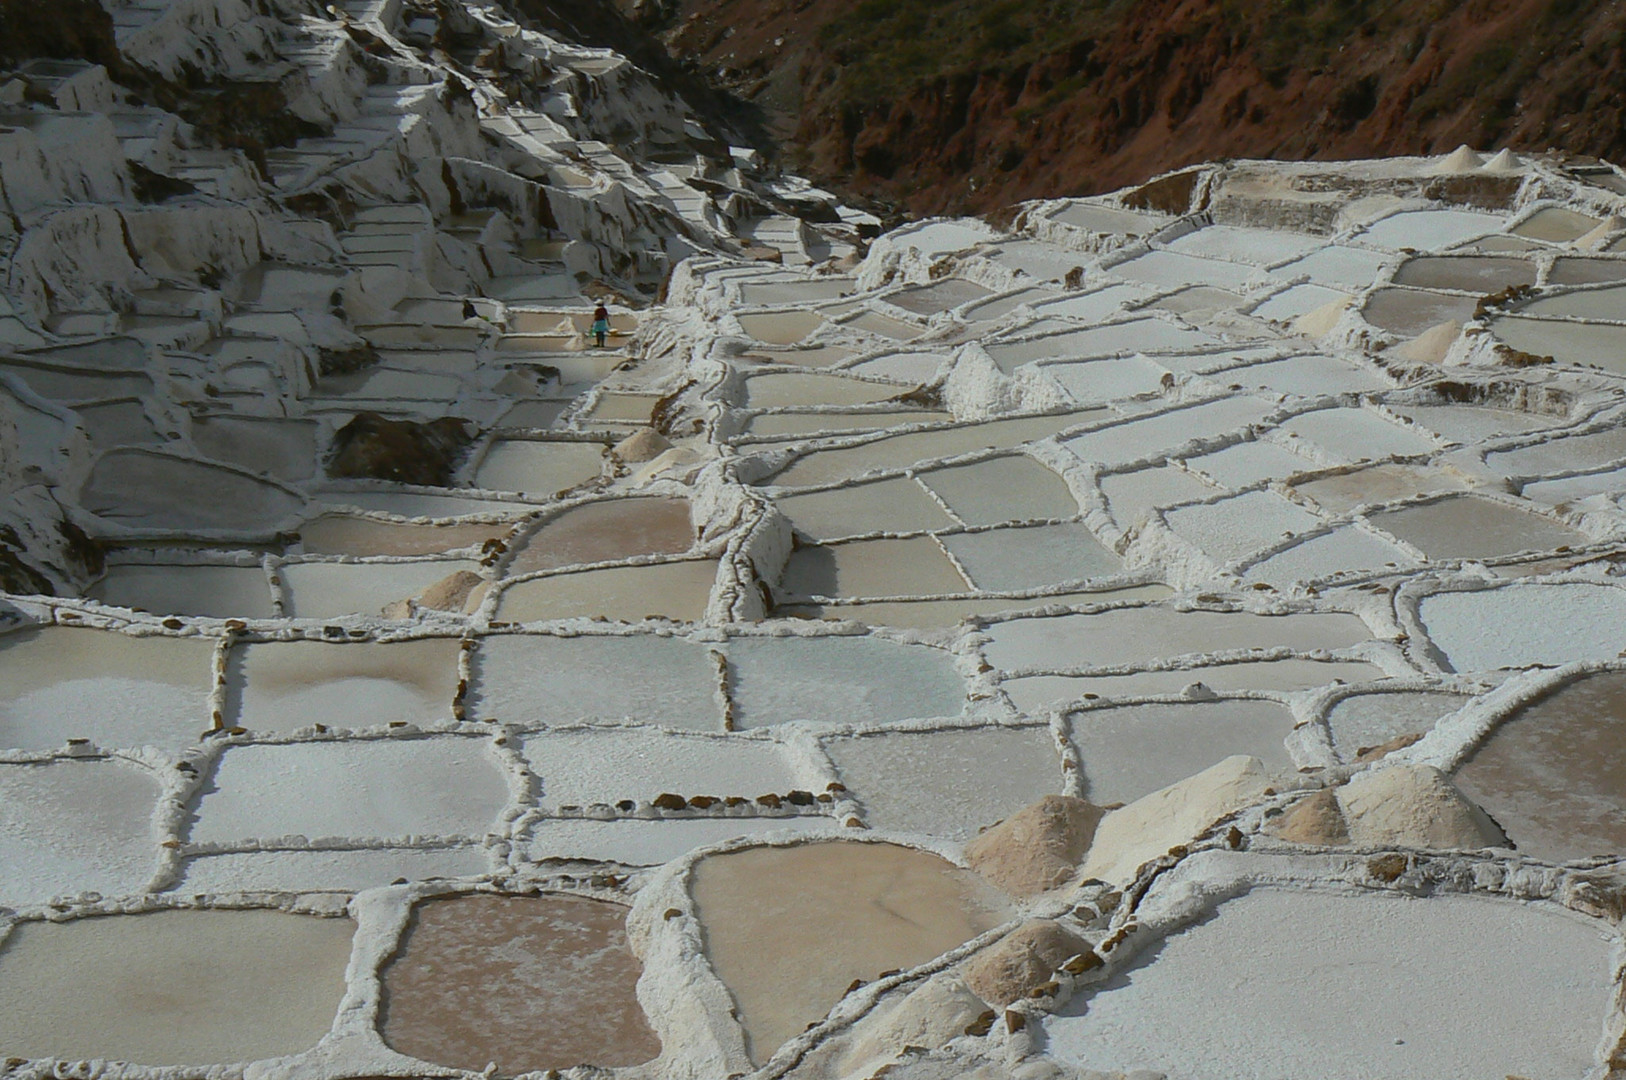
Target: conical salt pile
[1462,159]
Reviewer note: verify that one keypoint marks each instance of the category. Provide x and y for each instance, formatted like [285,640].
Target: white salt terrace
[664,693]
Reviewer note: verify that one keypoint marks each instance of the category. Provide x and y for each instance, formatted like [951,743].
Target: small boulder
[646,444]
[1129,838]
[374,447]
[1037,848]
[1025,958]
[1414,806]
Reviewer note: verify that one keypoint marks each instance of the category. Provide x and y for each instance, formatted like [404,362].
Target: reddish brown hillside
[970,104]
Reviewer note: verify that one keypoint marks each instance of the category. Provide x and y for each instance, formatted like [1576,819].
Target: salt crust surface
[1077,382]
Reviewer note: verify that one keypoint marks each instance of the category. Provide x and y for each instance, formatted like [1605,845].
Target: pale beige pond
[606,532]
[173,987]
[286,685]
[887,505]
[781,328]
[674,590]
[912,567]
[538,468]
[1466,527]
[221,592]
[788,929]
[347,534]
[780,389]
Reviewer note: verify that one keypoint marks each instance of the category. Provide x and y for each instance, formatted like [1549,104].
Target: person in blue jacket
[601,325]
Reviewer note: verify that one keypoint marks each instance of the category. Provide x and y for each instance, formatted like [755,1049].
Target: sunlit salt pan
[1121,444]
[1010,488]
[1345,549]
[1170,269]
[934,614]
[1132,496]
[1601,304]
[937,297]
[663,681]
[950,783]
[793,425]
[1137,335]
[606,531]
[998,308]
[328,590]
[781,328]
[1468,424]
[344,534]
[1108,220]
[1037,692]
[1344,492]
[149,988]
[1451,987]
[1260,246]
[143,489]
[777,390]
[341,870]
[1093,306]
[1231,528]
[888,505]
[1555,225]
[1466,527]
[673,590]
[1248,463]
[1108,380]
[1482,275]
[1353,268]
[611,764]
[1526,623]
[75,826]
[913,567]
[384,788]
[1572,270]
[901,451]
[839,680]
[1429,230]
[1573,453]
[1581,344]
[286,685]
[115,690]
[538,468]
[1128,751]
[1299,300]
[1366,720]
[1352,434]
[1409,312]
[1136,635]
[221,592]
[1031,557]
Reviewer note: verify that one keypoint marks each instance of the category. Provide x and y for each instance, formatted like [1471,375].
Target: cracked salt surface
[709,596]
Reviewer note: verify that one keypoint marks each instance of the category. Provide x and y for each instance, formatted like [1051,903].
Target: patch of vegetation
[887,46]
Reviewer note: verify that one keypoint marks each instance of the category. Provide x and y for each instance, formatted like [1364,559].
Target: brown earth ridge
[951,106]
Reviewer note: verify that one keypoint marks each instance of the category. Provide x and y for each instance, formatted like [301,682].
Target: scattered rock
[371,446]
[1414,806]
[451,593]
[1023,959]
[1037,848]
[1148,827]
[1367,754]
[1316,820]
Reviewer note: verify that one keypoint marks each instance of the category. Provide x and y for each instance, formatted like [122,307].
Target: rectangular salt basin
[538,468]
[860,568]
[901,451]
[1262,247]
[1469,424]
[1526,623]
[409,504]
[939,296]
[71,826]
[330,590]
[781,327]
[652,843]
[1367,720]
[885,326]
[1467,527]
[374,788]
[1429,230]
[840,680]
[286,685]
[1092,306]
[1108,220]
[1131,497]
[538,678]
[1038,692]
[1171,269]
[903,367]
[346,534]
[1231,528]
[1108,380]
[1582,344]
[1351,434]
[899,505]
[1298,300]
[1344,492]
[1132,636]
[328,870]
[1248,463]
[1572,453]
[996,309]
[1345,549]
[608,765]
[1031,557]
[673,590]
[1135,440]
[947,784]
[219,592]
[1304,376]
[1128,751]
[1010,488]
[1137,335]
[116,690]
[780,389]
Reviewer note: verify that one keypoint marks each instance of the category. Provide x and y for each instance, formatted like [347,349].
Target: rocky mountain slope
[975,104]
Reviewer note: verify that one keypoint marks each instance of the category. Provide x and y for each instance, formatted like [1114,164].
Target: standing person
[601,325]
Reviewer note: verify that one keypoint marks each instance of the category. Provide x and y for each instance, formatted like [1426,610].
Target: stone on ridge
[1020,961]
[1037,848]
[451,593]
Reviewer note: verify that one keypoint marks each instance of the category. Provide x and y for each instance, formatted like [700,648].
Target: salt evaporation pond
[149,988]
[1552,774]
[787,929]
[526,982]
[1403,988]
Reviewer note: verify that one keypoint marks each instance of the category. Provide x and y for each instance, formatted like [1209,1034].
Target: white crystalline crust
[834,542]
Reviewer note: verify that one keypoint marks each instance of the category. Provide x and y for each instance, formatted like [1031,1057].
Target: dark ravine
[970,105]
